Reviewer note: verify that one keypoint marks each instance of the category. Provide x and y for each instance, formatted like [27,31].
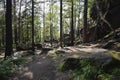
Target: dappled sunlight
[42,68]
[39,63]
[24,73]
[25,69]
[75,56]
[44,57]
[88,45]
[28,75]
[92,50]
[37,35]
[2,55]
[86,50]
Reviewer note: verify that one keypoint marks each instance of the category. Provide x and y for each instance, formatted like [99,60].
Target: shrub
[9,66]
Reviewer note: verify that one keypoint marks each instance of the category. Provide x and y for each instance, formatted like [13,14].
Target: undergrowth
[10,65]
[86,71]
[89,70]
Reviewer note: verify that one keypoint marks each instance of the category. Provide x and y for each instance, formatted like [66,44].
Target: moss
[114,54]
[75,55]
[118,45]
[109,35]
[69,64]
[104,76]
[60,67]
[88,70]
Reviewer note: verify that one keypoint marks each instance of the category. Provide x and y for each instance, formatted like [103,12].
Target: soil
[45,67]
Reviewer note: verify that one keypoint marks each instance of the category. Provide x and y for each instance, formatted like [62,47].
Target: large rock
[112,16]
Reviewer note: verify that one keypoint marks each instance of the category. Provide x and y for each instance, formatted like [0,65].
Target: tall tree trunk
[3,29]
[19,28]
[51,24]
[85,21]
[26,23]
[40,37]
[51,35]
[9,41]
[44,22]
[27,32]
[78,25]
[72,24]
[15,23]
[33,49]
[75,26]
[61,26]
[3,36]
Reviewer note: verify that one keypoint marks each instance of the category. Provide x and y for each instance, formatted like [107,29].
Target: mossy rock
[110,66]
[114,54]
[70,64]
[115,77]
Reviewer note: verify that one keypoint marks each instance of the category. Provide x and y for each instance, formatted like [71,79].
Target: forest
[59,40]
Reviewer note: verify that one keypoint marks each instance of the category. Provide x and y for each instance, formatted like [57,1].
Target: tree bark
[3,29]
[44,36]
[33,49]
[51,24]
[61,26]
[9,40]
[19,28]
[72,24]
[85,21]
[15,23]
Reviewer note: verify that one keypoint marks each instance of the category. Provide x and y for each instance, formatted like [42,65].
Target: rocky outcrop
[110,10]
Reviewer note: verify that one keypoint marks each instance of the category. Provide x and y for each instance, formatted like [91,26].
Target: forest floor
[45,67]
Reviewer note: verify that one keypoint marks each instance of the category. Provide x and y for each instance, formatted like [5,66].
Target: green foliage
[69,64]
[60,67]
[9,66]
[104,76]
[91,70]
[87,70]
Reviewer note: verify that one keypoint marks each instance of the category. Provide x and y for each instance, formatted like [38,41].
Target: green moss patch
[88,69]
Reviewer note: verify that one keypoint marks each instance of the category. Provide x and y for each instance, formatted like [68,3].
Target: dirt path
[44,67]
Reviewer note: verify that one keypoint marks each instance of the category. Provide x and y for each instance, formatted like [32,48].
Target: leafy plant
[87,71]
[9,66]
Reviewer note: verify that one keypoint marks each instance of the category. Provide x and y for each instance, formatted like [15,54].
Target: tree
[9,40]
[61,27]
[15,22]
[19,19]
[51,23]
[72,23]
[85,21]
[33,49]
[44,21]
[3,29]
